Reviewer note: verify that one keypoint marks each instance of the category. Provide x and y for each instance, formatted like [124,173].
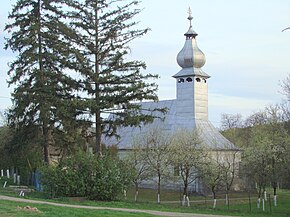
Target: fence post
[180,196]
[250,203]
[270,203]
[263,204]
[18,179]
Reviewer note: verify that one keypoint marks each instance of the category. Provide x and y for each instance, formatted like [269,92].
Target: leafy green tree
[43,91]
[213,174]
[155,144]
[6,136]
[111,81]
[256,161]
[136,161]
[267,157]
[278,144]
[187,153]
[19,153]
[230,169]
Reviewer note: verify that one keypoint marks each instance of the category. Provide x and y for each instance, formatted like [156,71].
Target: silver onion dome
[190,55]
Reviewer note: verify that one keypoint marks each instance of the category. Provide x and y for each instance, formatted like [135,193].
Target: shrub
[5,179]
[83,175]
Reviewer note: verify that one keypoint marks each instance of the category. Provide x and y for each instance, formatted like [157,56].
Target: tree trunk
[125,194]
[185,187]
[214,197]
[97,86]
[158,190]
[98,150]
[214,203]
[227,198]
[43,109]
[183,200]
[188,202]
[185,193]
[259,197]
[275,195]
[136,191]
[264,196]
[45,145]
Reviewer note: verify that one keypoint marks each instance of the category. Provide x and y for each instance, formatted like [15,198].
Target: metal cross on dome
[189,15]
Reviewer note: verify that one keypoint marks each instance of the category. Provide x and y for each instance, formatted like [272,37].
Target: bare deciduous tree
[286,86]
[229,121]
[231,126]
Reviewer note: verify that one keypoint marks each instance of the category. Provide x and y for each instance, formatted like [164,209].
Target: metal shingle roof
[168,124]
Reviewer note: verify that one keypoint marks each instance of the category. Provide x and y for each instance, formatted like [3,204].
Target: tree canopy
[112,82]
[73,64]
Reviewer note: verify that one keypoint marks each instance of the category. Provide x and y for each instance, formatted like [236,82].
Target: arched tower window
[189,79]
[180,80]
[204,80]
[198,80]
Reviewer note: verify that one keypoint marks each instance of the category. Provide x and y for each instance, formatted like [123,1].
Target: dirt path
[152,212]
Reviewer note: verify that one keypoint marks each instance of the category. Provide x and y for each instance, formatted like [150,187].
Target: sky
[247,54]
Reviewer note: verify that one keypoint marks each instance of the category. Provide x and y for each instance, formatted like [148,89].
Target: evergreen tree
[43,91]
[112,83]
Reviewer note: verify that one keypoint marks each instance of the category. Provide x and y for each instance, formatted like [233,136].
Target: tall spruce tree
[43,92]
[112,83]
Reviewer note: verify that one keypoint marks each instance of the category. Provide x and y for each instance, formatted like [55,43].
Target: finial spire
[189,15]
[190,33]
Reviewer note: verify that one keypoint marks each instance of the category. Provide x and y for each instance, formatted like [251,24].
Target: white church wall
[201,99]
[185,103]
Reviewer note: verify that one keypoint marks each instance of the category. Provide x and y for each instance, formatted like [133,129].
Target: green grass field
[239,205]
[11,209]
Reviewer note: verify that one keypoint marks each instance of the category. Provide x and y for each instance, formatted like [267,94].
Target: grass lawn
[11,209]
[147,200]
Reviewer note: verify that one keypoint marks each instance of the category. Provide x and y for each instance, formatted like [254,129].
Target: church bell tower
[191,80]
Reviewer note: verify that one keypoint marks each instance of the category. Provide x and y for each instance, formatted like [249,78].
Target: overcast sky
[247,54]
